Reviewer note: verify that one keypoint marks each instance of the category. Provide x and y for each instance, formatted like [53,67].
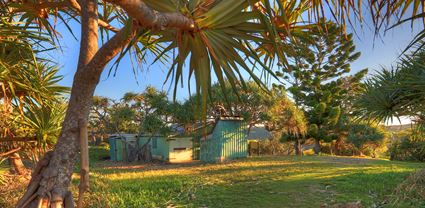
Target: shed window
[154,143]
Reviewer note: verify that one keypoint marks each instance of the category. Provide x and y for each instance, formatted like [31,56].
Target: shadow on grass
[253,182]
[199,191]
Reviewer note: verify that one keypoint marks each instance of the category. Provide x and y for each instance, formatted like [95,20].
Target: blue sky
[375,53]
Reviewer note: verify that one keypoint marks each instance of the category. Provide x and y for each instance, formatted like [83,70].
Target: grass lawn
[310,181]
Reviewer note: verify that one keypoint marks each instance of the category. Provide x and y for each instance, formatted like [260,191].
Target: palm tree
[25,82]
[213,37]
[396,92]
[30,95]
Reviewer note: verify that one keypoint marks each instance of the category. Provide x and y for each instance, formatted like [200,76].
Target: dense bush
[274,147]
[408,145]
[408,149]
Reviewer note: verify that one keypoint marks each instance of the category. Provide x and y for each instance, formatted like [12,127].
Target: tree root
[31,197]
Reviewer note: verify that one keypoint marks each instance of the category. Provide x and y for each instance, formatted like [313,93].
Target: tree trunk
[316,146]
[16,162]
[52,176]
[298,148]
[137,153]
[338,146]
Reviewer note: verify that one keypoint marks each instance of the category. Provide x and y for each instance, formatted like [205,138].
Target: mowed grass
[288,181]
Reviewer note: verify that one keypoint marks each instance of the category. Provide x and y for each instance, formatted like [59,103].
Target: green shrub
[407,149]
[274,147]
[409,145]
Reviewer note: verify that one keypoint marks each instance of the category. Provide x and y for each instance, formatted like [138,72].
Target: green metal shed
[169,148]
[118,145]
[227,141]
[166,148]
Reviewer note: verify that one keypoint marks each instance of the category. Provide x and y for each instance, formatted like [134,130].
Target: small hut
[165,148]
[226,141]
[169,148]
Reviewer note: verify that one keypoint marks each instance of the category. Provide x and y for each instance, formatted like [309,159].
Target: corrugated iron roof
[258,133]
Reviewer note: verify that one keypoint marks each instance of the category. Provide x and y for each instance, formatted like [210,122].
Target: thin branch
[10,152]
[74,4]
[111,48]
[63,4]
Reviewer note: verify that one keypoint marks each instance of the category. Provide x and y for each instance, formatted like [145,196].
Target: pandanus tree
[396,92]
[289,121]
[32,107]
[215,38]
[28,87]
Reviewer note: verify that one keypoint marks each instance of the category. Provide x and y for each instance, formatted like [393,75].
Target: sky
[376,52]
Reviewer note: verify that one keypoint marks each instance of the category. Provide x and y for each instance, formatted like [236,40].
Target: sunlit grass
[310,181]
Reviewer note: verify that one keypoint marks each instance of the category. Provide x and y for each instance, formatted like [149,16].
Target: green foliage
[250,101]
[229,185]
[318,79]
[148,112]
[286,118]
[33,101]
[395,92]
[31,97]
[365,135]
[183,113]
[409,146]
[45,122]
[123,119]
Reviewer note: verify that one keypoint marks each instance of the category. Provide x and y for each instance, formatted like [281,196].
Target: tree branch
[10,152]
[89,32]
[74,4]
[111,48]
[153,19]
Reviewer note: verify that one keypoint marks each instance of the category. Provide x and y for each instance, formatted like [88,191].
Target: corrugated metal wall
[228,141]
[159,146]
[116,150]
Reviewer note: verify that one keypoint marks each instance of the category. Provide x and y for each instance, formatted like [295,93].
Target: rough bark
[338,146]
[153,19]
[52,175]
[316,146]
[53,178]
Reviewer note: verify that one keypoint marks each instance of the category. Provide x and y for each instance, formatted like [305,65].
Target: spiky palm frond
[30,83]
[381,101]
[396,92]
[45,122]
